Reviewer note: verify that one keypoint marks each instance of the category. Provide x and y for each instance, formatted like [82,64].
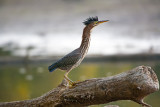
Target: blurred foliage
[17,83]
[4,52]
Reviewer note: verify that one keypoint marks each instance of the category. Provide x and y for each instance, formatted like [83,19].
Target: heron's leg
[66,77]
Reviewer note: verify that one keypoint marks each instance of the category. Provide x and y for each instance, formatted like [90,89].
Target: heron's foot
[69,83]
[74,83]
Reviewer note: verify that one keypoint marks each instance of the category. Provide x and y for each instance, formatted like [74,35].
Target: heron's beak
[99,22]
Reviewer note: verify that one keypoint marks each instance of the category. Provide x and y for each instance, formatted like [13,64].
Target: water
[103,43]
[26,82]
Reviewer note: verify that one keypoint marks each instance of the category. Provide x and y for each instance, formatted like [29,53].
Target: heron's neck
[85,38]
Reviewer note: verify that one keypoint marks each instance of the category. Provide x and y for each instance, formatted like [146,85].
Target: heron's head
[93,21]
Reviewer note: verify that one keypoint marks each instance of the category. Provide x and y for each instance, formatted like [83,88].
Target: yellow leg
[68,80]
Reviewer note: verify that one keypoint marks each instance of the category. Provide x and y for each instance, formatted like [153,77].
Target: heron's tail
[52,68]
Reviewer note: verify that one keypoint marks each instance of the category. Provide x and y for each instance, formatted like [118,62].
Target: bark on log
[131,85]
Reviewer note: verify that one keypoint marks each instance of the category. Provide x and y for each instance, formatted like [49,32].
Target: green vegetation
[4,52]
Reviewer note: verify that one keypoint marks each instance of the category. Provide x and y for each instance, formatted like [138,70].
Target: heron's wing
[68,60]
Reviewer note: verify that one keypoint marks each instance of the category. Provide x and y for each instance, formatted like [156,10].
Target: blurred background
[35,33]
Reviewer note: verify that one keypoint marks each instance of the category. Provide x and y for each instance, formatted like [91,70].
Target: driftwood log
[131,85]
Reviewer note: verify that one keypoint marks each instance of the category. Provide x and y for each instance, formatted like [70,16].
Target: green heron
[74,58]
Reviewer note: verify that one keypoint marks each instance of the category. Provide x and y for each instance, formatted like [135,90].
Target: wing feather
[69,60]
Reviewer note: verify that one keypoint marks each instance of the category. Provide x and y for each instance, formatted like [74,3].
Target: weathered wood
[131,85]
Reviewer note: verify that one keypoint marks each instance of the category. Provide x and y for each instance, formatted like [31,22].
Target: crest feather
[90,20]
